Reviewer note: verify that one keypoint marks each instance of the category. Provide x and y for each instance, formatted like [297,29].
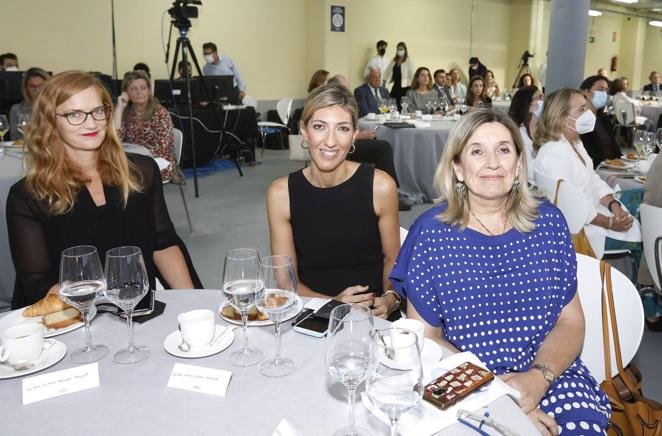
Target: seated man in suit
[656,83]
[441,85]
[371,94]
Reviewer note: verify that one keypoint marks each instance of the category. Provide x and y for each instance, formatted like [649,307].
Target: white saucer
[16,317]
[255,323]
[54,351]
[175,338]
[430,355]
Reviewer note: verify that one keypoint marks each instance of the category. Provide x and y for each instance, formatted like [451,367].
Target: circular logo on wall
[337,20]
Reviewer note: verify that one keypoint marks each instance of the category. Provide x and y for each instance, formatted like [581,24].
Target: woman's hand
[545,424]
[123,100]
[622,220]
[384,306]
[356,294]
[531,385]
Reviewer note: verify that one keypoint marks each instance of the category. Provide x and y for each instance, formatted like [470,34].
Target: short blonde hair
[521,207]
[556,110]
[152,102]
[51,176]
[327,96]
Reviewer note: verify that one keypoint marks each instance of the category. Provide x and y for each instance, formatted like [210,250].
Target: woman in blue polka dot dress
[492,270]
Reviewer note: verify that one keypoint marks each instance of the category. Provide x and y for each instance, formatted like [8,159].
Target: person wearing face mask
[400,71]
[600,143]
[221,65]
[8,62]
[33,80]
[525,110]
[561,155]
[476,68]
[378,61]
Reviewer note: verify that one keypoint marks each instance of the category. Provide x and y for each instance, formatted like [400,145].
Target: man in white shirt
[379,61]
[221,66]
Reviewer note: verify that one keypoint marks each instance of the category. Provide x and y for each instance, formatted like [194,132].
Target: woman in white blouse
[561,155]
[400,72]
[525,109]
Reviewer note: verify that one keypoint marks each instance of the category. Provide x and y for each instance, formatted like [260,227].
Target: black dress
[336,233]
[37,237]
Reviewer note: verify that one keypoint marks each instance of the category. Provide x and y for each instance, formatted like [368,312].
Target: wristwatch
[546,372]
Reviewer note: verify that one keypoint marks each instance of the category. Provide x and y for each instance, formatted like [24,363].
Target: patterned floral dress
[499,297]
[154,133]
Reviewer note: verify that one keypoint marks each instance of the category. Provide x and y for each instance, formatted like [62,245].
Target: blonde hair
[152,102]
[327,96]
[51,175]
[521,206]
[556,110]
[29,74]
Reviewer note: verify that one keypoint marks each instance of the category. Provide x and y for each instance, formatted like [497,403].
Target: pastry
[62,319]
[253,314]
[615,163]
[51,303]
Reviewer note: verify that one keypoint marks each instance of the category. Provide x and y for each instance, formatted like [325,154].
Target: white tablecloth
[652,111]
[134,399]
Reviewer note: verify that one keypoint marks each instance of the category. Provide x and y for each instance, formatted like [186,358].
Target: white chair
[283,107]
[629,315]
[651,229]
[403,235]
[575,212]
[297,152]
[178,139]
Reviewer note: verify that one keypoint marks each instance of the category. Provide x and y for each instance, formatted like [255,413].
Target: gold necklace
[484,226]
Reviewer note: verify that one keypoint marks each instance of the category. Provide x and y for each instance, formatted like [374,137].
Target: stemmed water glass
[127,284]
[392,106]
[461,107]
[81,283]
[395,381]
[404,102]
[4,127]
[22,122]
[649,144]
[639,140]
[277,300]
[349,346]
[658,138]
[243,286]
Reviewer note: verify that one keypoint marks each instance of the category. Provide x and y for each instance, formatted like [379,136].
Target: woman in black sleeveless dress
[337,219]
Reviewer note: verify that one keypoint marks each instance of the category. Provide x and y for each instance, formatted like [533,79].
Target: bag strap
[556,194]
[605,328]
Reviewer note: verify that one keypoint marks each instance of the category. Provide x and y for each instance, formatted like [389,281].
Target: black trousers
[376,152]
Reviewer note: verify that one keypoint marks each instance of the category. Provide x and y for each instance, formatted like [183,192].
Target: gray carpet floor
[231,212]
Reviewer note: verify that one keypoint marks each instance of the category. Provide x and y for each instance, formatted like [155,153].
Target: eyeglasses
[76,118]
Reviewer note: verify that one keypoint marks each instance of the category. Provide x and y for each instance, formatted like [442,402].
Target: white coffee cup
[197,327]
[414,326]
[21,343]
[419,114]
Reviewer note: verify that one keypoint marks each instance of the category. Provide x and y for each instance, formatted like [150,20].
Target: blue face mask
[599,99]
[538,111]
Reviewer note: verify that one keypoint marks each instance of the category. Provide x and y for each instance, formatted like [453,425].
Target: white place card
[59,383]
[286,429]
[199,379]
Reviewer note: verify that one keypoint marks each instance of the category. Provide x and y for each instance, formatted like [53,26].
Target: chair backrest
[624,111]
[629,315]
[570,201]
[297,152]
[284,108]
[250,101]
[403,235]
[177,140]
[651,229]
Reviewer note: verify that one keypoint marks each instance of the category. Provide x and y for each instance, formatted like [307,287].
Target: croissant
[51,303]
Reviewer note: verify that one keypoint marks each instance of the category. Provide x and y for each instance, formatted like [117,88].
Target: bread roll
[51,303]
[253,314]
[61,319]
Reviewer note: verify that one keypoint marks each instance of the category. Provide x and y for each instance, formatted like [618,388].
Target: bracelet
[612,202]
[398,300]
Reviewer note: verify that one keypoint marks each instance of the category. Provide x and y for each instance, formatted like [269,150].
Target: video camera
[181,12]
[525,57]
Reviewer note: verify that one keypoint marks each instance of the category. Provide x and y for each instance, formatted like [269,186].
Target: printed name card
[59,383]
[199,379]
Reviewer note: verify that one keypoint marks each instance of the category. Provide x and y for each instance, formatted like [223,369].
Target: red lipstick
[91,134]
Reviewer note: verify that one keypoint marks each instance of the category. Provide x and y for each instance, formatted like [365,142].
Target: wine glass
[243,286]
[4,127]
[127,283]
[404,102]
[461,106]
[81,283]
[649,144]
[277,300]
[639,140]
[658,136]
[392,105]
[395,383]
[22,123]
[349,346]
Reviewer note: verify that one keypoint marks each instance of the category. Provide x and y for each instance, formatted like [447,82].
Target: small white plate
[640,179]
[54,351]
[625,166]
[294,312]
[16,317]
[175,338]
[430,355]
[627,159]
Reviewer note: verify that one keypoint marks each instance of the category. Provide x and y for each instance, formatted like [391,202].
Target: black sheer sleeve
[29,246]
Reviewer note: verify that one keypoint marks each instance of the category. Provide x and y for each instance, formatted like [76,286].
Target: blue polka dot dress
[499,297]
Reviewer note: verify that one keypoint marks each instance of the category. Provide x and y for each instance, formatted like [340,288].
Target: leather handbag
[632,413]
[579,240]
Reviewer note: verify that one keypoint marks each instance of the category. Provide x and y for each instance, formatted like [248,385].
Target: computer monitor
[10,86]
[114,86]
[168,95]
[222,89]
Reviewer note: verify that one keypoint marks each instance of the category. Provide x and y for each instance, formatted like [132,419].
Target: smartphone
[456,384]
[312,325]
[325,311]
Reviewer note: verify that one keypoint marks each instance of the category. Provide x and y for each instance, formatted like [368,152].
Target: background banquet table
[651,110]
[134,398]
[11,171]
[416,153]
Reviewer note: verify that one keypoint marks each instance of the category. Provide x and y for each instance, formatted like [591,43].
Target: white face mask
[401,53]
[538,111]
[209,58]
[584,123]
[12,68]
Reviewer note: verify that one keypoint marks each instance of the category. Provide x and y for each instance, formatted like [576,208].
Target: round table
[651,110]
[416,154]
[134,399]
